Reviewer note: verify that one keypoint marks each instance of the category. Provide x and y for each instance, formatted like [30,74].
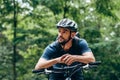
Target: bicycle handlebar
[63,70]
[95,63]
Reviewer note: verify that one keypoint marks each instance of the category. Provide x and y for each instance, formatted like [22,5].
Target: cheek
[66,36]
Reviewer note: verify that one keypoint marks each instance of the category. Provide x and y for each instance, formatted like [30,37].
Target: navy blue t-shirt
[55,50]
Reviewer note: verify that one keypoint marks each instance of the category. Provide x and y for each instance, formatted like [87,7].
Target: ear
[73,34]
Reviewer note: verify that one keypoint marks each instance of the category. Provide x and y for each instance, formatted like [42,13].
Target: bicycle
[69,70]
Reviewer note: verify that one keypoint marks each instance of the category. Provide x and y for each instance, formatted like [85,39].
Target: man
[66,50]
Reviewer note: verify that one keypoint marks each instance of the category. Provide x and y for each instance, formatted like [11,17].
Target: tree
[98,22]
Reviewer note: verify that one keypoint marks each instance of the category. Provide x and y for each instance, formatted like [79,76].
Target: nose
[60,34]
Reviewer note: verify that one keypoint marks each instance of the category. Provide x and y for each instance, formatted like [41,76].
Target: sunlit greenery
[98,22]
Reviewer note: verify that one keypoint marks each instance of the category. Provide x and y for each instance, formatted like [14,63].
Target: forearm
[42,63]
[85,59]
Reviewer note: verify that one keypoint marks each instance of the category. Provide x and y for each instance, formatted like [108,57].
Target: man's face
[63,35]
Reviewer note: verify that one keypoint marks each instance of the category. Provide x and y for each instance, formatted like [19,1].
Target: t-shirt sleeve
[84,46]
[48,52]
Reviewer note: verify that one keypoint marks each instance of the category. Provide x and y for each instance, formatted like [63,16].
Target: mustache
[60,37]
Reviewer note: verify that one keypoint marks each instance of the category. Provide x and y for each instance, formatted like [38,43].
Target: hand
[68,59]
[59,59]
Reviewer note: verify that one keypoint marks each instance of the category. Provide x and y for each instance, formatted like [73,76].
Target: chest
[74,50]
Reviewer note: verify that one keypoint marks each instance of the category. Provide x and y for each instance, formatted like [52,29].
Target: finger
[63,57]
[70,62]
[68,59]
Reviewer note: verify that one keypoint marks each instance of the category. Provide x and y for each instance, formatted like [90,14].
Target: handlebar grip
[37,71]
[95,63]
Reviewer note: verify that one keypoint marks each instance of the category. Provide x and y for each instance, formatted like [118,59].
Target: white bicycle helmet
[67,23]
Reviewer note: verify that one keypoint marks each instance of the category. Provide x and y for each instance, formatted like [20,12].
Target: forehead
[64,29]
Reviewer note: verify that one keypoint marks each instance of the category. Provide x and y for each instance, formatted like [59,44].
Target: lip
[60,39]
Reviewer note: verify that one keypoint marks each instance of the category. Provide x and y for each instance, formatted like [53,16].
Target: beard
[62,41]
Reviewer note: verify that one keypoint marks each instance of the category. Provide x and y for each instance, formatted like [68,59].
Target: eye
[66,30]
[58,30]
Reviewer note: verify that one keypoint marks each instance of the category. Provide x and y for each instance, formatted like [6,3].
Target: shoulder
[81,45]
[49,51]
[84,46]
[80,40]
[83,41]
[53,45]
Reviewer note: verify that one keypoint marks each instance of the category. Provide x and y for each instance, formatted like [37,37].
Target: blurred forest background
[28,26]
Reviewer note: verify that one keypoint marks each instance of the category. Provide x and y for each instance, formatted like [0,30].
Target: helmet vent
[67,23]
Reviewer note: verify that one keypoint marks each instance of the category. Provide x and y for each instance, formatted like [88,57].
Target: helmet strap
[67,40]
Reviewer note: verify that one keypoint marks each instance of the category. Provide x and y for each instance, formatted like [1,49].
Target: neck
[68,45]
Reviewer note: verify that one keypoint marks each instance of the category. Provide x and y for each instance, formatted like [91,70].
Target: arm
[67,59]
[87,55]
[43,63]
[85,58]
[47,60]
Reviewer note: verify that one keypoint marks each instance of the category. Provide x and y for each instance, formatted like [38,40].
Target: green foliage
[98,22]
[105,7]
[54,5]
[6,63]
